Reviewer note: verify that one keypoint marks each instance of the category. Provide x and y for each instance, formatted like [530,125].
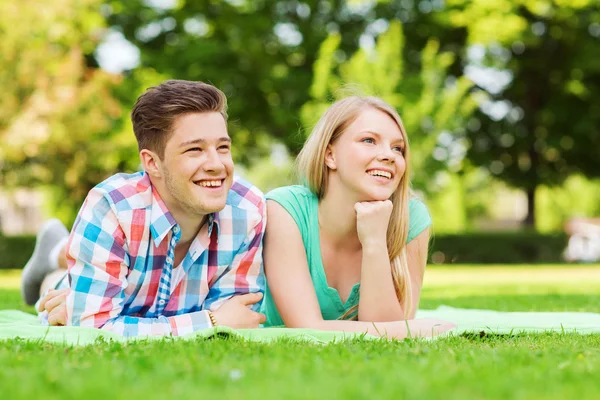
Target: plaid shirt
[121,250]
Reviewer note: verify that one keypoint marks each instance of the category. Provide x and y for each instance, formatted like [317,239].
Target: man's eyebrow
[203,141]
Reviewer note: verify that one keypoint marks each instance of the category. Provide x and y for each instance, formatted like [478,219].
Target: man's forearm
[177,325]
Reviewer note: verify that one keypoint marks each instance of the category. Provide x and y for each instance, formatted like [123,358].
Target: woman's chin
[377,195]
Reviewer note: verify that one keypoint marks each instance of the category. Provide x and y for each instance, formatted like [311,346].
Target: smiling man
[175,248]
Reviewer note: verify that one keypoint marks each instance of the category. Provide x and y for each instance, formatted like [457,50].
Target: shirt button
[161,302]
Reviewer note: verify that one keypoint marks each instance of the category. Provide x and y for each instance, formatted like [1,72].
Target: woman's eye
[368,140]
[399,149]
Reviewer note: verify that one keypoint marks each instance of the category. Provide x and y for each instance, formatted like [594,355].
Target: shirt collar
[162,221]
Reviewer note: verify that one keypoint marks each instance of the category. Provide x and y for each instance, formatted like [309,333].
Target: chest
[342,269]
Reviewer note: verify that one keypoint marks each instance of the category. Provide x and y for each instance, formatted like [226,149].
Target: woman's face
[367,159]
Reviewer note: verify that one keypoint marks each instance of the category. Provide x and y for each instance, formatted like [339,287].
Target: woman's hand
[372,219]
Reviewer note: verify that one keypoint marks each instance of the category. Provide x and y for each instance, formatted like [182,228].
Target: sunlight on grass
[458,281]
[10,279]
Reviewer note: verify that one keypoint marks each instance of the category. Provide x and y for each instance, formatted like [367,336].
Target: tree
[261,52]
[428,104]
[544,124]
[62,125]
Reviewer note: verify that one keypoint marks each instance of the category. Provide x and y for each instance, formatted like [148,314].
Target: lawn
[544,366]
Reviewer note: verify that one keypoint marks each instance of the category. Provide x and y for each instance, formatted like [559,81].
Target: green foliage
[473,248]
[552,51]
[15,251]
[576,197]
[498,248]
[427,104]
[260,53]
[64,127]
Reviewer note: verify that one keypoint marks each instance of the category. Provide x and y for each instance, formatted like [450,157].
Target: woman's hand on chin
[372,219]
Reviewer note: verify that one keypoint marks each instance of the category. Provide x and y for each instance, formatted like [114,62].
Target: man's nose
[213,161]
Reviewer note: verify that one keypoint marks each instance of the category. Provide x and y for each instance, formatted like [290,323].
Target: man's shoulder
[245,195]
[130,190]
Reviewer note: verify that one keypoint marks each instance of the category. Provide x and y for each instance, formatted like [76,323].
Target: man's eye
[224,147]
[194,149]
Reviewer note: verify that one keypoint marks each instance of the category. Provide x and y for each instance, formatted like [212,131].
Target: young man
[175,248]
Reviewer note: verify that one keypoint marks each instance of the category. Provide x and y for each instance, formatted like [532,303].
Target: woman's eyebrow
[399,140]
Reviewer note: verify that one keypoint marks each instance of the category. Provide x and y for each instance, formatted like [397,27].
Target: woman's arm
[416,254]
[378,300]
[290,284]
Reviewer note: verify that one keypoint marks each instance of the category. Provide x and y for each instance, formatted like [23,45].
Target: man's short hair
[155,111]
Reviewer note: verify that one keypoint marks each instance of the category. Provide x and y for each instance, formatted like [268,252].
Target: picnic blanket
[17,324]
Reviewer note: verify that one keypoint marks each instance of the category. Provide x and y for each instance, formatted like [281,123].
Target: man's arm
[98,261]
[245,274]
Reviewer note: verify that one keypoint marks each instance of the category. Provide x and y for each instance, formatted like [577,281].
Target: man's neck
[189,223]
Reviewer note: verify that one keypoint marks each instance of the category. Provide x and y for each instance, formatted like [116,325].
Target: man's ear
[151,163]
[330,158]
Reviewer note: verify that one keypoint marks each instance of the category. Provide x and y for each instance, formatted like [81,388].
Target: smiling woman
[351,242]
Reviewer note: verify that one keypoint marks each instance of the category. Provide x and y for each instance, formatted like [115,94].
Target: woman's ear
[330,157]
[150,163]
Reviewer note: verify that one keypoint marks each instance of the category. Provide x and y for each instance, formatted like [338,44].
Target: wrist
[213,318]
[374,247]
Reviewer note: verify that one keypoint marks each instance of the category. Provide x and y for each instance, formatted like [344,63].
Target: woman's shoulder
[418,217]
[297,200]
[297,193]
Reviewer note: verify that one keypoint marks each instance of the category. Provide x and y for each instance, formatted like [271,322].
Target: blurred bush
[470,248]
[498,248]
[15,251]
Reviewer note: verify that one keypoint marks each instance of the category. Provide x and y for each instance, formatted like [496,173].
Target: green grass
[544,366]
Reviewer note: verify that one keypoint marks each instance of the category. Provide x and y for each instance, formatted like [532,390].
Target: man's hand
[372,219]
[236,313]
[55,303]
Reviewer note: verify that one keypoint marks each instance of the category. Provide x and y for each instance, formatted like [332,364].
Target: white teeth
[210,183]
[377,172]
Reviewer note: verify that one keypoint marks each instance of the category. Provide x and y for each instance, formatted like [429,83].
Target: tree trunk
[529,221]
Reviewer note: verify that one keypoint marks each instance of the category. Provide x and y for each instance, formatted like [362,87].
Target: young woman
[346,250]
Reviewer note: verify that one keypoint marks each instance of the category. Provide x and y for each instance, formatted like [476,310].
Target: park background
[500,99]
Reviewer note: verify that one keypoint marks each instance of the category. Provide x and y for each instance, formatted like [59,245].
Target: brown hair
[155,111]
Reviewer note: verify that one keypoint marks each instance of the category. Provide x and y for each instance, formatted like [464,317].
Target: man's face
[197,168]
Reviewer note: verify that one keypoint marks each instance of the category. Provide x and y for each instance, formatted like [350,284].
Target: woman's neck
[337,220]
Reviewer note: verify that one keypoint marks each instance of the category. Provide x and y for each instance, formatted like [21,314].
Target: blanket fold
[18,324]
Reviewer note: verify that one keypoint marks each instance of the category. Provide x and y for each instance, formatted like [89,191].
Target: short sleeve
[296,201]
[419,218]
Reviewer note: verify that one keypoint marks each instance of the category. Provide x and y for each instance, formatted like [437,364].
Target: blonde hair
[311,168]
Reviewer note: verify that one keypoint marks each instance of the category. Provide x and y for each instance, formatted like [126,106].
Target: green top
[302,205]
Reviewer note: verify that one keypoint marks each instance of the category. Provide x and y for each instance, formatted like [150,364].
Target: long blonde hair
[311,168]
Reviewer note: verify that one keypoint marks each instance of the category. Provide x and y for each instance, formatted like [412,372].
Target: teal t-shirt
[302,205]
